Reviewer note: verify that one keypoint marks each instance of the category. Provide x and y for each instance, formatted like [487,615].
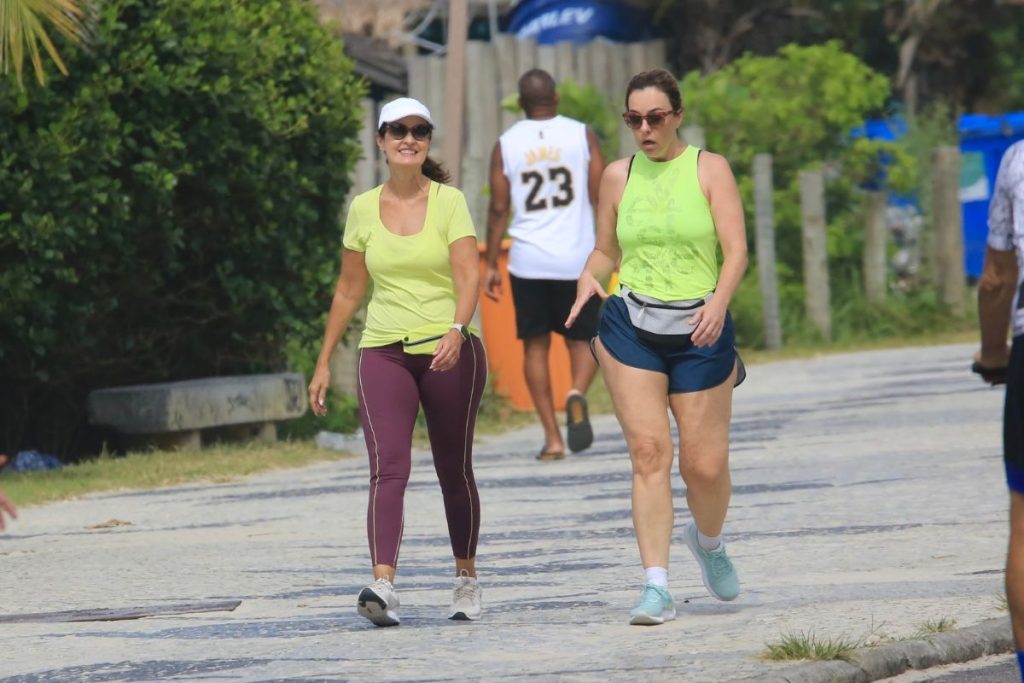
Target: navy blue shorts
[1013,418]
[689,368]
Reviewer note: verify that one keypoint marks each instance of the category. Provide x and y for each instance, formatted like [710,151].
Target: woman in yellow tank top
[666,340]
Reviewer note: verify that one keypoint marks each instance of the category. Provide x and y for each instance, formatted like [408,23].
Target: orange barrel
[505,351]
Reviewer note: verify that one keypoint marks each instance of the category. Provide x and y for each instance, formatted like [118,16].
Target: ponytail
[436,171]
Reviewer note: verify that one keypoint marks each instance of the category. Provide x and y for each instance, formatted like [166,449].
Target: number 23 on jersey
[560,177]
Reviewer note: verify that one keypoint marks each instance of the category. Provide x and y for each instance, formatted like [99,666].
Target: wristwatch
[462,330]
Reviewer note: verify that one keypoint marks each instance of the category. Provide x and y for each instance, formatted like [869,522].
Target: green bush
[585,103]
[798,105]
[170,210]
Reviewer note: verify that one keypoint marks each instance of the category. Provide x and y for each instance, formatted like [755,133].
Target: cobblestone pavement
[991,669]
[868,500]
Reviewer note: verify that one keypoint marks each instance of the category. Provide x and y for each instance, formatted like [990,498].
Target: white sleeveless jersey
[546,163]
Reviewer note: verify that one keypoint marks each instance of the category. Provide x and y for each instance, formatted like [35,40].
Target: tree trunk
[949,234]
[875,237]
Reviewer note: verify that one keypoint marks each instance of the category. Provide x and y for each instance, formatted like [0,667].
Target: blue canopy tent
[577,21]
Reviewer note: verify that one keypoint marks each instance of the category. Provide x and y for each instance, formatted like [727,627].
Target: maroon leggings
[392,385]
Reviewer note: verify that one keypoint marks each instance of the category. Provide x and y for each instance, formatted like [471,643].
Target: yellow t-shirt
[413,297]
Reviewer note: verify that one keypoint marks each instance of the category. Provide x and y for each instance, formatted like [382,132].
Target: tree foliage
[800,106]
[585,103]
[170,210]
[958,51]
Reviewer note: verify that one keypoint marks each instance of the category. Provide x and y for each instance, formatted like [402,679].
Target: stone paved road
[991,669]
[869,499]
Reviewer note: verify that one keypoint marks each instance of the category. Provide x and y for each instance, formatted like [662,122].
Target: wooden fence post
[345,359]
[508,77]
[694,135]
[526,56]
[565,63]
[815,251]
[365,177]
[655,53]
[482,121]
[634,58]
[949,234]
[600,53]
[455,87]
[547,59]
[764,221]
[876,232]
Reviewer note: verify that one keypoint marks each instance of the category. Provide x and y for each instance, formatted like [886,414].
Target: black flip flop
[581,434]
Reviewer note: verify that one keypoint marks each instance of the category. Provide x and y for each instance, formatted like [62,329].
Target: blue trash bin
[983,141]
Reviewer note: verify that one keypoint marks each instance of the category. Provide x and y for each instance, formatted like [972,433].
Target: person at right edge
[1000,299]
[546,169]
[666,341]
[6,506]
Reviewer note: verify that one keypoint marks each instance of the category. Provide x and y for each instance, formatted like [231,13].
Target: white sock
[656,575]
[708,543]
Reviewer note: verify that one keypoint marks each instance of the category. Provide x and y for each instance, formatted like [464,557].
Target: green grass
[934,626]
[1002,602]
[807,646]
[153,469]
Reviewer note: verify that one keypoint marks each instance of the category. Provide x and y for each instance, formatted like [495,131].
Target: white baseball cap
[402,107]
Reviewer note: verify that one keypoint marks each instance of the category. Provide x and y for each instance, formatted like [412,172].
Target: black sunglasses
[398,131]
[653,119]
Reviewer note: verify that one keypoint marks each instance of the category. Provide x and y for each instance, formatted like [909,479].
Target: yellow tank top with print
[665,230]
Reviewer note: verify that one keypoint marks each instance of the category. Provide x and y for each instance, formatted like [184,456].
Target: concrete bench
[174,414]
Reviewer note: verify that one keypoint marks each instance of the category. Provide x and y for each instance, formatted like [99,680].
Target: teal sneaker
[719,575]
[656,607]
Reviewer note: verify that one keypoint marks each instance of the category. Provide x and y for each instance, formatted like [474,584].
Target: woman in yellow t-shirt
[665,342]
[413,236]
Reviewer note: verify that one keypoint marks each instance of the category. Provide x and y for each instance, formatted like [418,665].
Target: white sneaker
[378,602]
[466,599]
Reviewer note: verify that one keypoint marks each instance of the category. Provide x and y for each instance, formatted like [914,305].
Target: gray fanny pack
[662,322]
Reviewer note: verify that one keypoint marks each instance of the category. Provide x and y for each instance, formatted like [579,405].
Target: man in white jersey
[545,171]
[1000,300]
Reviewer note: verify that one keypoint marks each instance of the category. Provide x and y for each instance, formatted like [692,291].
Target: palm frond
[23,28]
